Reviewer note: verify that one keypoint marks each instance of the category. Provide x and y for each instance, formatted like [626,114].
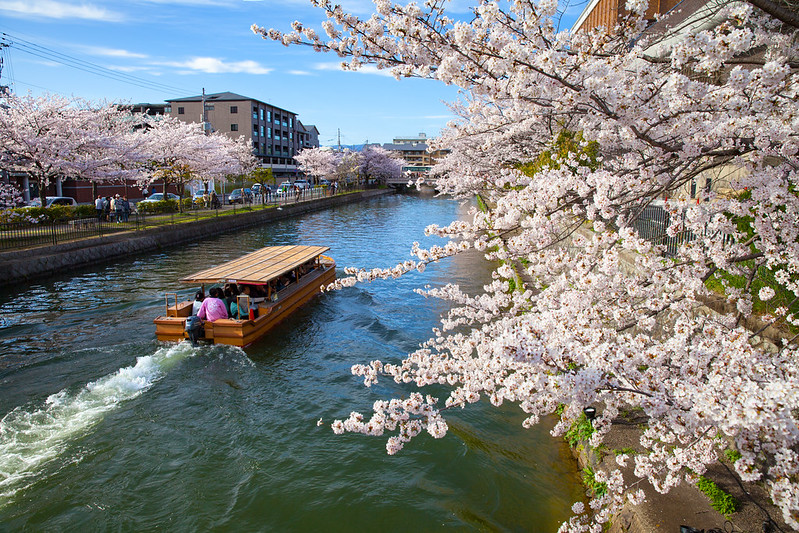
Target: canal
[104,429]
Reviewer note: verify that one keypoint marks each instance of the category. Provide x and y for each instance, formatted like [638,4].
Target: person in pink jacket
[213,307]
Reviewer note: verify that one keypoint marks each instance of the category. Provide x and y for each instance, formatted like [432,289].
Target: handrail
[166,297]
[248,303]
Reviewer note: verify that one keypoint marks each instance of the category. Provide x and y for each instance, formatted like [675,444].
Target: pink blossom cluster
[567,140]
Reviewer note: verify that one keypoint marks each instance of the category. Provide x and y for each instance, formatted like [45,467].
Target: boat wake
[31,437]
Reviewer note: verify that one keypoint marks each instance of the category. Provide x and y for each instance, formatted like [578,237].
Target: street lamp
[590,413]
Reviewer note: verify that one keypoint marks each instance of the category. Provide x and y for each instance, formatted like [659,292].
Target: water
[104,429]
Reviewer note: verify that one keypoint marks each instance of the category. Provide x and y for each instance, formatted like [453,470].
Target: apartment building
[608,13]
[276,134]
[415,150]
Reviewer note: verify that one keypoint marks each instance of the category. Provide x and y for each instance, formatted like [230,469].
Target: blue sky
[161,49]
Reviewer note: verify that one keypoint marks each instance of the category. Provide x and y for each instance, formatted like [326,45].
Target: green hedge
[164,206]
[45,215]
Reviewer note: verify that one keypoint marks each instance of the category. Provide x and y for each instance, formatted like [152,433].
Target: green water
[104,429]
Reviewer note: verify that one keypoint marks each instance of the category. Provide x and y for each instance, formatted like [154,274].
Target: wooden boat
[304,268]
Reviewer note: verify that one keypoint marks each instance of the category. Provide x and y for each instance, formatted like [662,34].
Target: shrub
[164,206]
[720,500]
[83,211]
[579,431]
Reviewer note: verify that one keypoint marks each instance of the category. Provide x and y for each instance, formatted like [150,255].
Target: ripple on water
[105,430]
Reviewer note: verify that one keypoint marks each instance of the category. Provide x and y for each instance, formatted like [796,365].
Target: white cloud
[212,65]
[59,10]
[112,52]
[295,72]
[120,68]
[47,63]
[365,69]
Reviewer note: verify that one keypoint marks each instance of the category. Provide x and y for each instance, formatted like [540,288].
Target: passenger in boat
[282,283]
[272,290]
[231,291]
[237,311]
[197,303]
[257,292]
[213,307]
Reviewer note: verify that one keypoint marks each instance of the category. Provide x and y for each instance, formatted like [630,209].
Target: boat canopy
[259,266]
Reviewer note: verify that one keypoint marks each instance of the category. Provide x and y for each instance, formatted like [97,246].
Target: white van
[53,200]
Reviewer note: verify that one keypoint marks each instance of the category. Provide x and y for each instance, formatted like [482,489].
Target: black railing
[21,235]
[653,222]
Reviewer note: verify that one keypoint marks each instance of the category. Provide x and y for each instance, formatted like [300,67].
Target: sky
[148,51]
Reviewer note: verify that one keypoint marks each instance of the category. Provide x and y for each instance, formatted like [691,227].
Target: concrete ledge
[44,261]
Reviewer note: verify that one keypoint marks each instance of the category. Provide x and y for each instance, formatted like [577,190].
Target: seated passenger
[230,292]
[282,283]
[198,301]
[213,308]
[239,309]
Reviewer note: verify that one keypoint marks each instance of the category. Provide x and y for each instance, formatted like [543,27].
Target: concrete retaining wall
[50,260]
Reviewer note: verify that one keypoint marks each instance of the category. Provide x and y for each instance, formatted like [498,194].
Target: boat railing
[175,308]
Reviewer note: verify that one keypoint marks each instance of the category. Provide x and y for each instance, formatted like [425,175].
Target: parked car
[284,187]
[240,196]
[159,197]
[53,200]
[324,183]
[302,184]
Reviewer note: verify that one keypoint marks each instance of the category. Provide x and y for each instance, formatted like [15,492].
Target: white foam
[31,437]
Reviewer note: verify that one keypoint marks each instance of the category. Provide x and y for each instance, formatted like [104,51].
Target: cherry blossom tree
[52,137]
[380,164]
[316,162]
[180,152]
[569,140]
[348,164]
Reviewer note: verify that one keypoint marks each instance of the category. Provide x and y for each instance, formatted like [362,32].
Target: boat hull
[245,332]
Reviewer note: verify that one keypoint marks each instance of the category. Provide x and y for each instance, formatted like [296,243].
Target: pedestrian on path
[98,206]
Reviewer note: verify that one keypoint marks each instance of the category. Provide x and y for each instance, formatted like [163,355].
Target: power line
[85,66]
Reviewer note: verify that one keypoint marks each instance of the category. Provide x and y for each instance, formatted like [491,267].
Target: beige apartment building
[277,135]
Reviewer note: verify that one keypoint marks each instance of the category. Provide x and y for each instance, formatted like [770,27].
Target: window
[262,113]
[234,109]
[234,127]
[269,133]
[269,116]
[262,131]
[255,113]
[255,129]
[181,110]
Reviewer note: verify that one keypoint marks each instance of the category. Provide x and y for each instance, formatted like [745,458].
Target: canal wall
[27,265]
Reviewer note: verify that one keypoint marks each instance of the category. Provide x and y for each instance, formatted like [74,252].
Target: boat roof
[259,266]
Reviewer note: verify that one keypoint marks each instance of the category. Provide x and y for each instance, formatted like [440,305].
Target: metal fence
[653,223]
[21,235]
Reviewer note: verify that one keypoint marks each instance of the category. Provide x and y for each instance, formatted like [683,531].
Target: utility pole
[339,139]
[206,127]
[4,91]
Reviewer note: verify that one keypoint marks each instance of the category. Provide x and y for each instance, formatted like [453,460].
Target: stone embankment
[45,261]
